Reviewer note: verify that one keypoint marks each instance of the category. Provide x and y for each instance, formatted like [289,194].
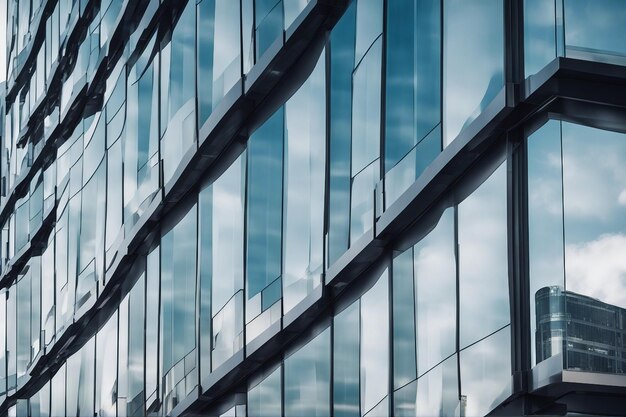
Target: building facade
[270,208]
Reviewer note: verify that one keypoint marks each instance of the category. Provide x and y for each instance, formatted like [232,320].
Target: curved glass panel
[374,346]
[265,399]
[486,373]
[304,188]
[346,343]
[483,266]
[307,379]
[468,89]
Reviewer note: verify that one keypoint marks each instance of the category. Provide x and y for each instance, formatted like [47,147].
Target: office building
[270,208]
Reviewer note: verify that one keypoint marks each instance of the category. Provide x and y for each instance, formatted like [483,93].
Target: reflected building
[592,333]
[313,208]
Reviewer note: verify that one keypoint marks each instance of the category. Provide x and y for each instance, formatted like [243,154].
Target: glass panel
[57,393]
[219,56]
[106,371]
[293,8]
[247,33]
[265,399]
[227,327]
[539,34]
[594,200]
[221,208]
[178,92]
[141,173]
[486,373]
[595,30]
[342,40]
[305,168]
[269,24]
[374,349]
[307,379]
[264,217]
[435,289]
[369,25]
[152,325]
[436,393]
[178,301]
[366,110]
[346,369]
[135,392]
[468,89]
[545,240]
[404,353]
[362,204]
[413,80]
[114,203]
[483,267]
[365,141]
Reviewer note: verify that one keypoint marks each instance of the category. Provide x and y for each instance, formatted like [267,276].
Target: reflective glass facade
[302,208]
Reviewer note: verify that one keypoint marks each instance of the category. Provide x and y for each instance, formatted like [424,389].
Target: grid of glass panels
[227,268]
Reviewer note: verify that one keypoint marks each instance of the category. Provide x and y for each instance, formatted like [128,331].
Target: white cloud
[598,268]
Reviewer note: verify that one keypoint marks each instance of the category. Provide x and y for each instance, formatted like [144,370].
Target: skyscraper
[270,208]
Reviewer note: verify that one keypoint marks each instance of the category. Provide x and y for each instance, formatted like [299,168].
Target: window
[304,188]
[178,308]
[483,266]
[575,274]
[219,55]
[468,89]
[264,222]
[307,379]
[413,92]
[221,211]
[265,398]
[178,88]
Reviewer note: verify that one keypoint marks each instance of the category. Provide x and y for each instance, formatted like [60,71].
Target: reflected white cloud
[598,268]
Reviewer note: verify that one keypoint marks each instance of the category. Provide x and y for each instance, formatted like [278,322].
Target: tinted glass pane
[468,89]
[341,63]
[135,398]
[374,350]
[595,30]
[152,326]
[404,354]
[307,379]
[539,34]
[106,372]
[305,168]
[413,82]
[265,399]
[435,289]
[486,373]
[293,8]
[141,139]
[264,219]
[366,110]
[483,270]
[178,88]
[219,57]
[178,281]
[434,393]
[369,24]
[269,24]
[594,197]
[346,343]
[545,234]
